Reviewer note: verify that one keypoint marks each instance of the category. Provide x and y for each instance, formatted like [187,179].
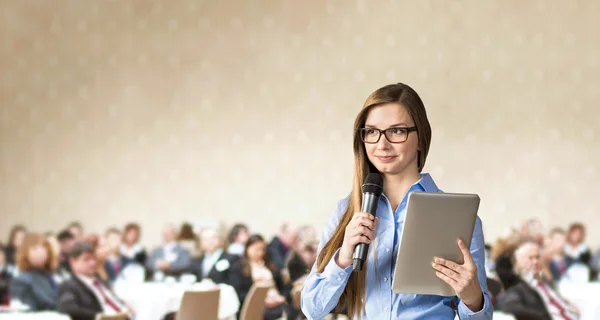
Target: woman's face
[256,252]
[576,236]
[38,256]
[242,236]
[18,238]
[392,158]
[131,236]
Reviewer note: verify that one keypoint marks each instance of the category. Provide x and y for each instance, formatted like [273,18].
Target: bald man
[532,297]
[214,263]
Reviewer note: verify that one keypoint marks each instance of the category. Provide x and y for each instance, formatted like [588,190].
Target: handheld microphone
[372,190]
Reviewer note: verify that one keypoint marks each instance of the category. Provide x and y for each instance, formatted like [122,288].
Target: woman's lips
[385,158]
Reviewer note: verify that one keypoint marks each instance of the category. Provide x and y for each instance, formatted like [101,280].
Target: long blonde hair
[354,293]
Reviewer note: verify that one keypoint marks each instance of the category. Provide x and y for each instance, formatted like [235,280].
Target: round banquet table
[585,296]
[153,300]
[33,316]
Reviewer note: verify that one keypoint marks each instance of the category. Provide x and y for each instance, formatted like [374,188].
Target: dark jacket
[36,288]
[78,301]
[523,301]
[114,269]
[219,273]
[278,252]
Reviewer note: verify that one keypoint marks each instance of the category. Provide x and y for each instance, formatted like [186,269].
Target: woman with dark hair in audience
[15,239]
[188,239]
[6,273]
[256,267]
[237,239]
[35,286]
[131,249]
[575,250]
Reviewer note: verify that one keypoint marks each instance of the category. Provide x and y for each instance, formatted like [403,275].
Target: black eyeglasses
[393,135]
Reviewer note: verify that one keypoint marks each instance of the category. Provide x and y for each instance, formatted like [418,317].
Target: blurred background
[218,112]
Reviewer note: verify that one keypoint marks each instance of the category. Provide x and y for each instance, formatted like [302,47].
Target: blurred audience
[553,255]
[256,267]
[109,251]
[65,242]
[15,239]
[214,263]
[188,239]
[576,251]
[529,296]
[282,245]
[84,296]
[76,229]
[131,249]
[171,258]
[35,285]
[6,274]
[237,239]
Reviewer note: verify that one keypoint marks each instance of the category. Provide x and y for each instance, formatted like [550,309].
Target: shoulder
[25,277]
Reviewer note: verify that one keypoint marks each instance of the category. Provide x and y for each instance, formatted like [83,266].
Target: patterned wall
[161,111]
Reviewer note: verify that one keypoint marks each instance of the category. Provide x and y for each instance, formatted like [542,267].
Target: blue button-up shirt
[322,291]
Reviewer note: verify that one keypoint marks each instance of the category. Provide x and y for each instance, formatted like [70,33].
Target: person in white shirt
[84,296]
[214,263]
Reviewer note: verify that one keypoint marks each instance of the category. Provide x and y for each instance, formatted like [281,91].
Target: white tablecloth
[586,296]
[153,300]
[33,316]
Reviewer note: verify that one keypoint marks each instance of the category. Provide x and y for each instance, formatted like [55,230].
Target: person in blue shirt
[392,137]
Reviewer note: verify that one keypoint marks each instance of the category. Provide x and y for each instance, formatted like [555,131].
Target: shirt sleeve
[321,291]
[478,253]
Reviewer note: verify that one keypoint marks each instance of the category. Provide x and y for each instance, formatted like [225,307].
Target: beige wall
[159,111]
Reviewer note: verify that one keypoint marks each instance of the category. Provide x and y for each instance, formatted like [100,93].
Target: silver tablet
[432,225]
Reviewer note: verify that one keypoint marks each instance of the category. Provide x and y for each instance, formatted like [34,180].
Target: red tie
[557,304]
[107,300]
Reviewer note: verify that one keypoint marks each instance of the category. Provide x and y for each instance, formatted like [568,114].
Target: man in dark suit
[281,246]
[84,296]
[531,297]
[214,263]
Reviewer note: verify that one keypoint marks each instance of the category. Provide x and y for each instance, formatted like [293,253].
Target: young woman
[391,137]
[35,285]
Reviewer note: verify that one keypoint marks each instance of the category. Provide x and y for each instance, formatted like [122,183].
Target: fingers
[448,264]
[363,215]
[467,257]
[450,273]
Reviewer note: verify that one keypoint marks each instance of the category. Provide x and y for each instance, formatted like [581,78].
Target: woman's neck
[396,186]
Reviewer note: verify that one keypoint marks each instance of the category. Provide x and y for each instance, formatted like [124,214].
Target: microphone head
[373,184]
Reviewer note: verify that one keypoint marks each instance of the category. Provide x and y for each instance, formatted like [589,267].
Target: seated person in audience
[131,249]
[15,239]
[237,239]
[553,255]
[302,260]
[96,242]
[65,240]
[171,258]
[84,296]
[281,246]
[113,261]
[256,267]
[76,229]
[188,239]
[35,286]
[214,263]
[6,274]
[576,251]
[530,297]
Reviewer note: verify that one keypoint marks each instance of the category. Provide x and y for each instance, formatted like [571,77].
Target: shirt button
[341,273]
[385,309]
[385,279]
[339,279]
[387,249]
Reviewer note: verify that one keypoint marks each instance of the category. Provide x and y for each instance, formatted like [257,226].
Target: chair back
[254,304]
[196,303]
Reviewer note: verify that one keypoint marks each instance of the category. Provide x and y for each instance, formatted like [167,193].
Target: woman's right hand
[361,229]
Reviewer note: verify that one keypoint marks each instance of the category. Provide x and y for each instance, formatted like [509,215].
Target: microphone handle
[369,205]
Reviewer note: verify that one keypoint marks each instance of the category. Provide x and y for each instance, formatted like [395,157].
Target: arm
[322,291]
[67,304]
[151,262]
[239,282]
[21,289]
[182,262]
[477,250]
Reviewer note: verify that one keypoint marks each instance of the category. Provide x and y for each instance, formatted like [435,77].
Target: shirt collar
[426,182]
[217,253]
[87,280]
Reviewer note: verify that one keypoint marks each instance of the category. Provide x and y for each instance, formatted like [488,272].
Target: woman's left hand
[461,277]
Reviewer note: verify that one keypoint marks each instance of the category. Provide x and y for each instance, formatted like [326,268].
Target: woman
[131,249]
[391,137]
[237,239]
[575,250]
[15,239]
[255,267]
[35,285]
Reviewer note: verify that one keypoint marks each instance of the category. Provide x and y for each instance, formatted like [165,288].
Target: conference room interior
[193,146]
